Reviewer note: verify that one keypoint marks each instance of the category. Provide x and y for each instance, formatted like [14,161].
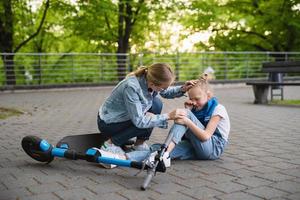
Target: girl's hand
[181,120]
[177,113]
[189,104]
[188,85]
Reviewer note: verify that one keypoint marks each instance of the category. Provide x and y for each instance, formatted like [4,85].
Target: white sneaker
[150,160]
[142,147]
[167,159]
[112,148]
[108,155]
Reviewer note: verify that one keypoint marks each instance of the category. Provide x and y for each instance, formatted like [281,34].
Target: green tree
[8,19]
[247,25]
[115,26]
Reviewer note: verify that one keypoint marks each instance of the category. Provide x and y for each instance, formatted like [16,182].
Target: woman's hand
[189,104]
[149,114]
[182,120]
[177,113]
[188,85]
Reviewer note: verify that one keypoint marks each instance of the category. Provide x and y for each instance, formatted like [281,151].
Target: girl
[133,108]
[204,124]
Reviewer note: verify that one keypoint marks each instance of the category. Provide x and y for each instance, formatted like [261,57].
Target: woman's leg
[155,109]
[121,132]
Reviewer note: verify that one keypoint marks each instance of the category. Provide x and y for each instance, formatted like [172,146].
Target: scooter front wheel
[37,148]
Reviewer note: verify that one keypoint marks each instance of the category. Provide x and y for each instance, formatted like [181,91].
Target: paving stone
[295,196]
[201,192]
[14,193]
[253,181]
[105,188]
[47,196]
[228,187]
[275,176]
[78,193]
[288,186]
[46,188]
[266,192]
[217,178]
[171,196]
[259,162]
[238,196]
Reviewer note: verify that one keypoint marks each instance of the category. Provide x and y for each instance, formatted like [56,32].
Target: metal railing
[42,69]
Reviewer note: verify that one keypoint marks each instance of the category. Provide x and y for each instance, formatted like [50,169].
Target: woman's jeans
[191,148]
[121,132]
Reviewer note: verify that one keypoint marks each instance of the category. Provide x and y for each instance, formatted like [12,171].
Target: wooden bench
[261,88]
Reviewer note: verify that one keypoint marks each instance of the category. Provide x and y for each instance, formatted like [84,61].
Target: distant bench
[261,88]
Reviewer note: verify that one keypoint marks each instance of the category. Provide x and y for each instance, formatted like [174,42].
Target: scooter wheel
[31,145]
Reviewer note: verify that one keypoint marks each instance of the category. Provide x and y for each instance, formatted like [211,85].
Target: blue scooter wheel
[32,146]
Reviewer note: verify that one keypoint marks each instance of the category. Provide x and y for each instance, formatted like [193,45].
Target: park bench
[261,88]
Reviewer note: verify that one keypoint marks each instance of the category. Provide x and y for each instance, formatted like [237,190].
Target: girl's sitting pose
[201,130]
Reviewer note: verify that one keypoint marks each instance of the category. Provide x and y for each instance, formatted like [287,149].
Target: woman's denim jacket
[130,100]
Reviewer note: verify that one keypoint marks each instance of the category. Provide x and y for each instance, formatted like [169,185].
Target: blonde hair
[203,83]
[157,73]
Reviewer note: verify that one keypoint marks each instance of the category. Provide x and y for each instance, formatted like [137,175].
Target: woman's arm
[177,91]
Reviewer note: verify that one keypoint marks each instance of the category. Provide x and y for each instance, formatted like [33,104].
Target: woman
[133,108]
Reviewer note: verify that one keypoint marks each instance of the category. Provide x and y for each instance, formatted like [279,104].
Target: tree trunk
[6,42]
[125,24]
[6,39]
[9,68]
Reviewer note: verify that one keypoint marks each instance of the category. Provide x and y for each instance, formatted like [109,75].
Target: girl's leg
[183,151]
[137,155]
[205,150]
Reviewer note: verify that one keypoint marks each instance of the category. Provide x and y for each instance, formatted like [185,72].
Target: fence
[42,69]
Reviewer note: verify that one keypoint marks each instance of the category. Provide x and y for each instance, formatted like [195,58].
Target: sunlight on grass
[8,112]
[294,102]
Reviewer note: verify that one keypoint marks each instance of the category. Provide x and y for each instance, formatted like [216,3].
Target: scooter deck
[81,143]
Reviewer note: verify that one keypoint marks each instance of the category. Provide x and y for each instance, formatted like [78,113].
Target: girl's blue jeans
[191,148]
[121,132]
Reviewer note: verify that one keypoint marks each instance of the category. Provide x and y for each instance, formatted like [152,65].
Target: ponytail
[157,73]
[142,70]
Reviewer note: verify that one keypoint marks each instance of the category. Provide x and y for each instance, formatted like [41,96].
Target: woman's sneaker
[110,147]
[107,154]
[141,147]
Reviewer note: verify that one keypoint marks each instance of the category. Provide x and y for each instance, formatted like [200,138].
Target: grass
[289,102]
[8,112]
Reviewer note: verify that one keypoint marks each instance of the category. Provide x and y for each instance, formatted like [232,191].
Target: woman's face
[159,88]
[198,97]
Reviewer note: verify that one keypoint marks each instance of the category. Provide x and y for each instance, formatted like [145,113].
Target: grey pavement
[262,160]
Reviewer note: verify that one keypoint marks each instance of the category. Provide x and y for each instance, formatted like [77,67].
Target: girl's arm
[205,134]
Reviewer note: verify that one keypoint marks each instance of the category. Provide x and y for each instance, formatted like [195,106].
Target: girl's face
[198,97]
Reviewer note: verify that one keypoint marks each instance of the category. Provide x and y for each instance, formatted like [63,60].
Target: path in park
[262,160]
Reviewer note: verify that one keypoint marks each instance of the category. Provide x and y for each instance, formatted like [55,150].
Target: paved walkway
[261,162]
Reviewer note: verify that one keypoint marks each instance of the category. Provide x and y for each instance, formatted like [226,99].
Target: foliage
[247,25]
[94,26]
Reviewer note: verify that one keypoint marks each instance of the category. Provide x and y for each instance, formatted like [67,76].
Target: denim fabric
[130,100]
[192,147]
[121,132]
